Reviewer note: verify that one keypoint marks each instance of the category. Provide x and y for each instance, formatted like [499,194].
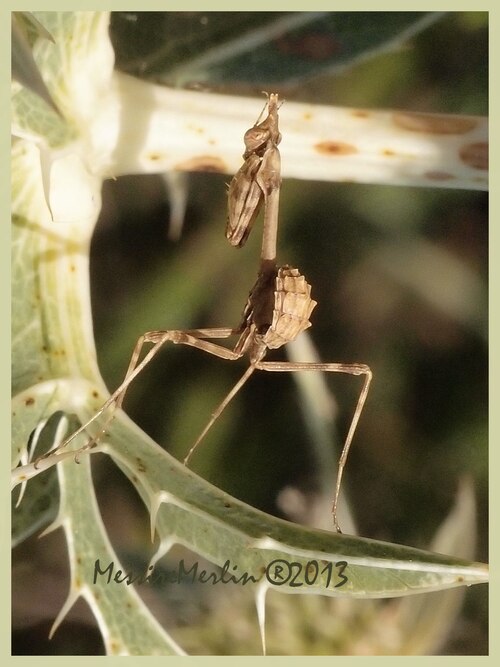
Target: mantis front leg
[192,337]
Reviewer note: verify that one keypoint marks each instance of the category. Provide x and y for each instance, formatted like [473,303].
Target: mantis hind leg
[351,369]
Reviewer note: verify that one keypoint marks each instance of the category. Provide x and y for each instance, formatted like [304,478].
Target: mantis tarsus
[279,304]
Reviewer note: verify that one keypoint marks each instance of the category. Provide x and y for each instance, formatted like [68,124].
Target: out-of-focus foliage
[255,48]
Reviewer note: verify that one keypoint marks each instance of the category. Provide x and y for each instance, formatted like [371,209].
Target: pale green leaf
[24,68]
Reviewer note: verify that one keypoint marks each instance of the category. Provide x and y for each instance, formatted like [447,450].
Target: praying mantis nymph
[279,305]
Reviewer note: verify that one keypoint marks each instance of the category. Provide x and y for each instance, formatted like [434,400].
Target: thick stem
[161,129]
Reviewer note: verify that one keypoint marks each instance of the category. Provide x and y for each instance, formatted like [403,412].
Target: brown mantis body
[279,305]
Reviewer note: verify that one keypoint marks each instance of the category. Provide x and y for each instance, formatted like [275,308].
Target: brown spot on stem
[475,155]
[360,113]
[203,163]
[155,157]
[114,648]
[434,123]
[388,152]
[29,401]
[438,175]
[335,148]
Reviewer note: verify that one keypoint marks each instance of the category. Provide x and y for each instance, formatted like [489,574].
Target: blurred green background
[400,276]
